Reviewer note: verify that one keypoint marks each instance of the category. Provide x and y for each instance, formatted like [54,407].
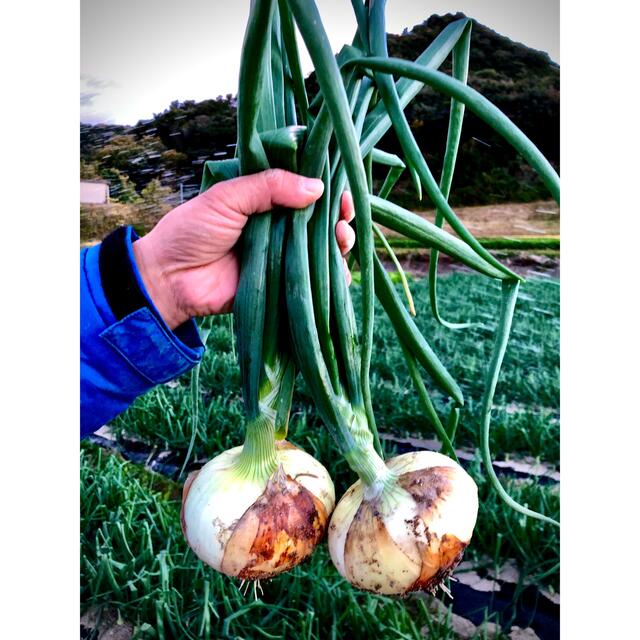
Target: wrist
[157,282]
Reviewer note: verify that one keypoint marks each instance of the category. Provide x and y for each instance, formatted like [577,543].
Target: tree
[140,158]
[89,170]
[121,188]
[155,194]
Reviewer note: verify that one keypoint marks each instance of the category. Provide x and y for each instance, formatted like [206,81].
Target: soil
[540,218]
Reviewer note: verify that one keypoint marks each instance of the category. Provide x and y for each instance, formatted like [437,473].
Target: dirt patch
[104,624]
[540,218]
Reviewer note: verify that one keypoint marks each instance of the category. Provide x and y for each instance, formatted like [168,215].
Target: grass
[315,601]
[527,398]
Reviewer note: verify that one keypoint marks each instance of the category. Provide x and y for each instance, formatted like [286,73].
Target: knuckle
[217,192]
[274,179]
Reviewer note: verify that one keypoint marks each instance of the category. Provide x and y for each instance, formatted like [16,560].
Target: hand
[187,261]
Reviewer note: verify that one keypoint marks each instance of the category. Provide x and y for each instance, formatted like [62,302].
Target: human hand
[187,261]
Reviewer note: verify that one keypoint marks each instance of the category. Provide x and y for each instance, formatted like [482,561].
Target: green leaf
[217,171]
[388,159]
[310,25]
[477,103]
[427,234]
[410,335]
[507,307]
[378,121]
[250,300]
[460,64]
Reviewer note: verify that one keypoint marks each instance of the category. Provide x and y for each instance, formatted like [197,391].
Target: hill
[522,82]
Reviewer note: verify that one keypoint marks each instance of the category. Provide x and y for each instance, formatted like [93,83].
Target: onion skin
[257,529]
[410,535]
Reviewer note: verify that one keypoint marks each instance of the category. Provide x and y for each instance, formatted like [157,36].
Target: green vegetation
[161,587]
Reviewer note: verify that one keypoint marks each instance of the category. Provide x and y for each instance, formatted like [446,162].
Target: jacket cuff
[139,333]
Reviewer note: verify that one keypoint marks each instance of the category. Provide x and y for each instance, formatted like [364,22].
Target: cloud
[96,83]
[86,98]
[87,116]
[93,93]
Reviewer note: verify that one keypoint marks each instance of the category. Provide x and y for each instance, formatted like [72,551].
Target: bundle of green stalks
[260,509]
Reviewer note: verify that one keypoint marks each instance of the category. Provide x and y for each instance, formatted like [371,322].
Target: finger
[345,236]
[265,190]
[347,272]
[347,211]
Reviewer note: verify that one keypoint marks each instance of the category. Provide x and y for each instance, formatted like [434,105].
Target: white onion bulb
[251,528]
[409,535]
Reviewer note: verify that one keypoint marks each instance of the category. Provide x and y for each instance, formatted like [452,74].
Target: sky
[137,56]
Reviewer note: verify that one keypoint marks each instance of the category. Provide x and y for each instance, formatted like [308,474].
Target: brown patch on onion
[280,530]
[185,492]
[409,548]
[430,488]
[440,559]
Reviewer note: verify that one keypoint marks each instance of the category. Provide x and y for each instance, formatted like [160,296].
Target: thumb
[265,190]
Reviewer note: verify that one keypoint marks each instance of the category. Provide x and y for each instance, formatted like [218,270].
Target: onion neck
[364,459]
[258,459]
[370,467]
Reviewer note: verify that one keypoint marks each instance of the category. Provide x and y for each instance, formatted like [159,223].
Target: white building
[94,192]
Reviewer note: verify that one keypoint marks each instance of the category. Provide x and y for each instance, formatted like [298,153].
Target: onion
[409,532]
[254,526]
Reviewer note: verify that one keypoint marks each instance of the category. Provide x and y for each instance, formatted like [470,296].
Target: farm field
[137,569]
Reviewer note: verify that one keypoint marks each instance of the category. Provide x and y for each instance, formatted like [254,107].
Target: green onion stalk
[406,522]
[260,509]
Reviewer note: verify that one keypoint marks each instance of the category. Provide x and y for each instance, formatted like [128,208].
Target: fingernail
[313,186]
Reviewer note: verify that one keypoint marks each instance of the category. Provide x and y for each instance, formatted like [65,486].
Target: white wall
[94,192]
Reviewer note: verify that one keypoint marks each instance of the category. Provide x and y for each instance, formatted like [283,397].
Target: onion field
[139,574]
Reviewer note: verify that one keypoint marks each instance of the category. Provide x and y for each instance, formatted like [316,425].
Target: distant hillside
[524,83]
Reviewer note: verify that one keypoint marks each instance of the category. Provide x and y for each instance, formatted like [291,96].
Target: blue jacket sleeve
[122,358]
